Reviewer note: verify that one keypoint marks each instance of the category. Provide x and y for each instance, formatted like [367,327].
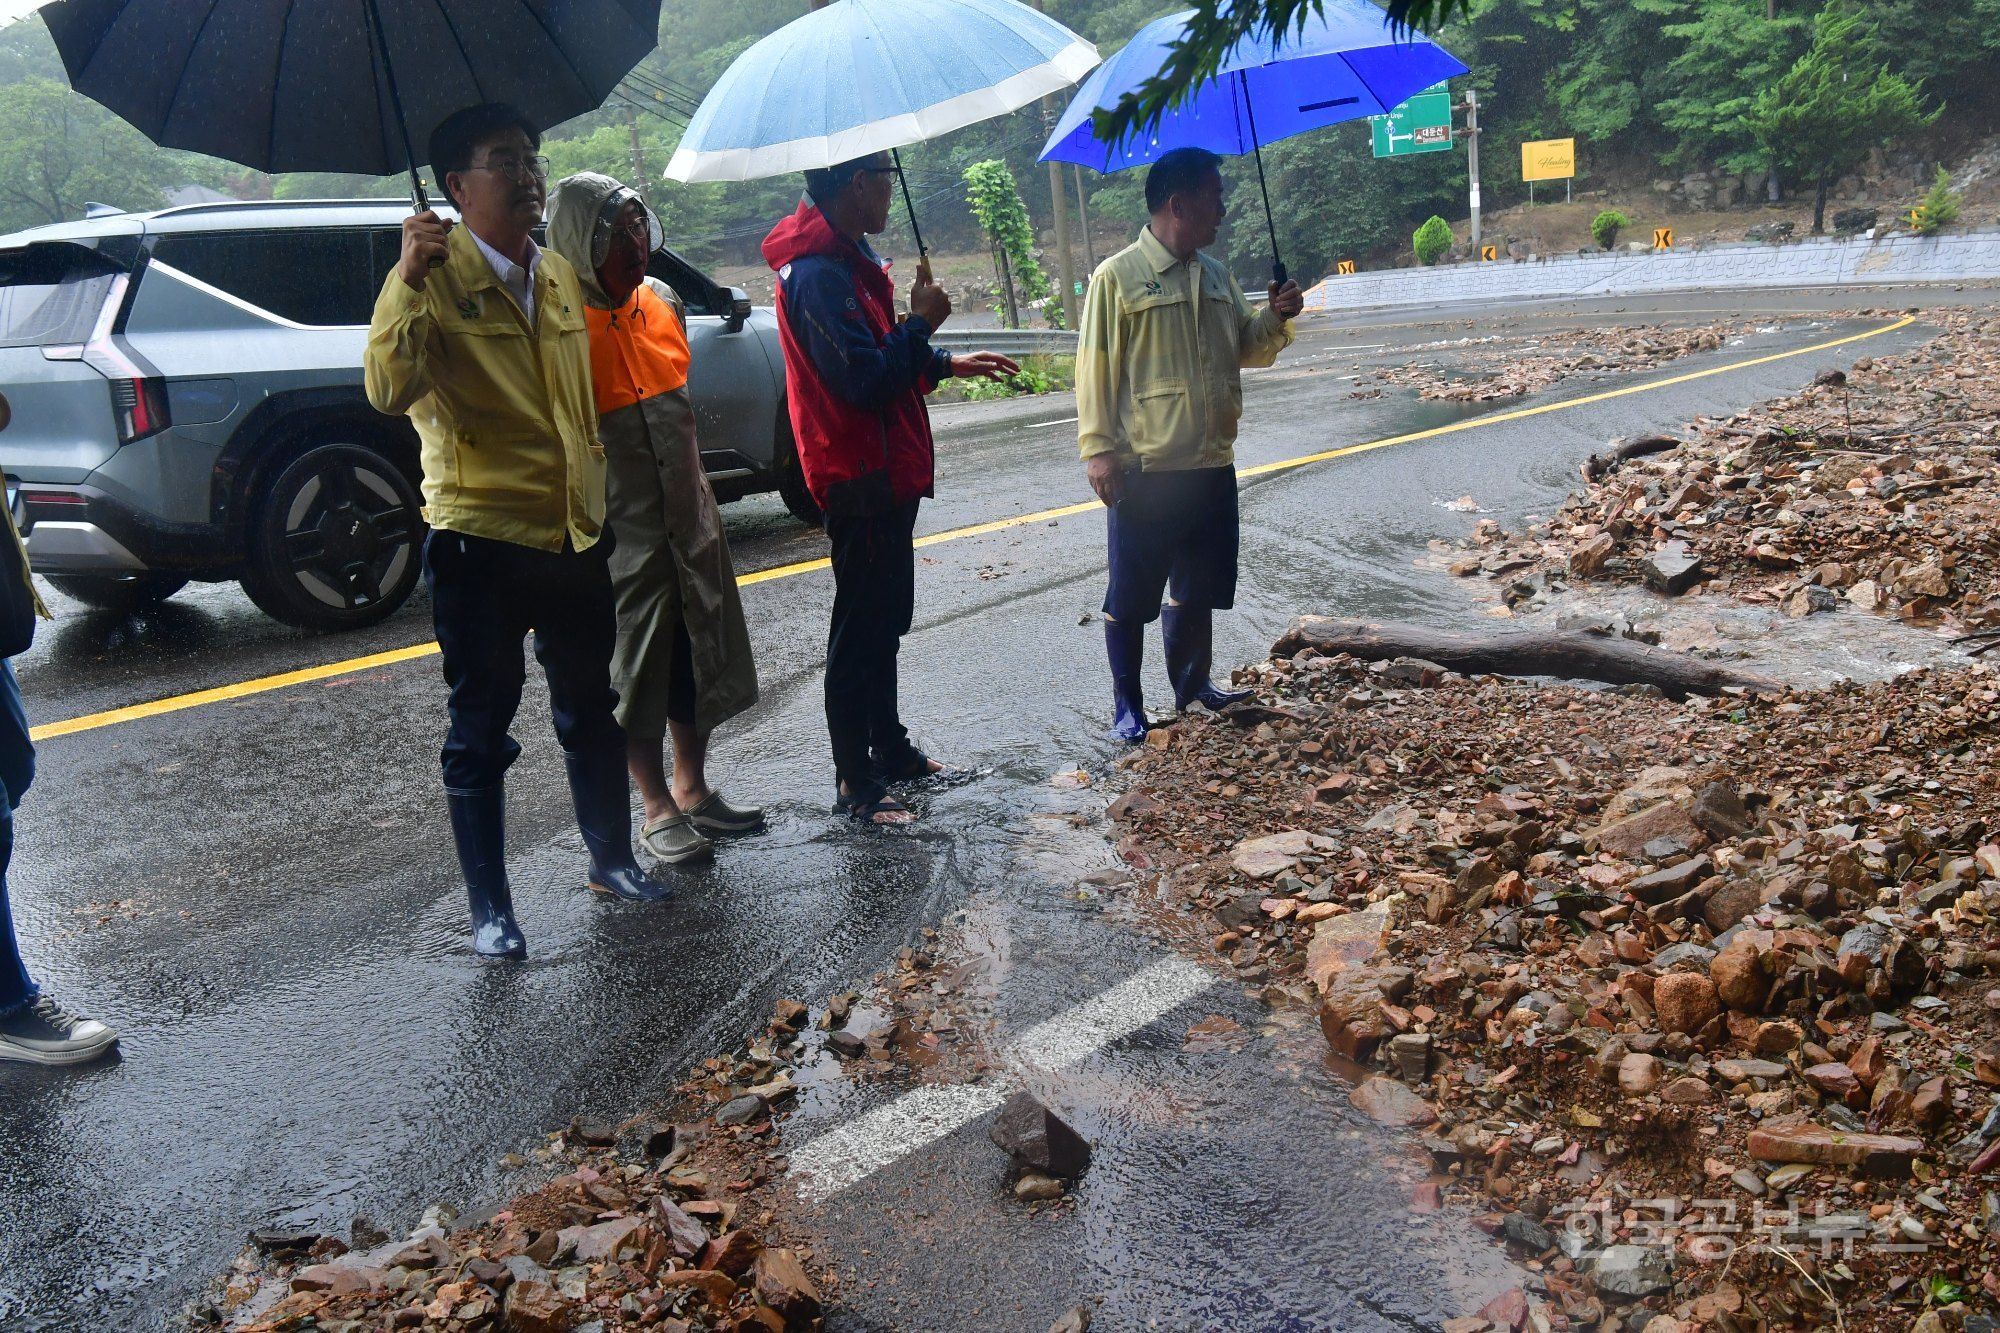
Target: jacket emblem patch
[468,308]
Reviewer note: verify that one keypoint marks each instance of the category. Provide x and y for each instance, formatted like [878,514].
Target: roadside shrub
[1431,240]
[1939,208]
[1604,228]
[1039,374]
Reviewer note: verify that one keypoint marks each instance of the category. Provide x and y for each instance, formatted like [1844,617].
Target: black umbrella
[341,85]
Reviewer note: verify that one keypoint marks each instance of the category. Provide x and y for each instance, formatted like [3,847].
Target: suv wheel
[334,542]
[118,592]
[792,477]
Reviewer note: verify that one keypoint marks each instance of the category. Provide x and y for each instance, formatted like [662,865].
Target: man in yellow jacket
[479,336]
[1159,390]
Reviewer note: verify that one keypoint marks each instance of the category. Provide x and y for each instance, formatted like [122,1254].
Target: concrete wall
[1965,257]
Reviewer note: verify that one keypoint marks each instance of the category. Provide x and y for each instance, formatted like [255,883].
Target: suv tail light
[140,406]
[138,400]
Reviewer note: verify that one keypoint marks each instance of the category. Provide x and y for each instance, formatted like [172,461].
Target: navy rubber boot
[1189,633]
[1125,647]
[479,827]
[601,790]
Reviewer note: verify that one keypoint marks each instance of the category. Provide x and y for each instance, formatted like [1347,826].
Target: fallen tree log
[1569,655]
[1622,450]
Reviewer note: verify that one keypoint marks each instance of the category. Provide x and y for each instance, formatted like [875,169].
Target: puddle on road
[1811,652]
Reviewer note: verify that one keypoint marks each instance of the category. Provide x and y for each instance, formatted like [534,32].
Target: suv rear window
[324,277]
[51,293]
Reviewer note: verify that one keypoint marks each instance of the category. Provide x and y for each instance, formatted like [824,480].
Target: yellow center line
[262,684]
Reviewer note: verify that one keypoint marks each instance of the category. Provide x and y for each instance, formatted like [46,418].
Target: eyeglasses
[518,169]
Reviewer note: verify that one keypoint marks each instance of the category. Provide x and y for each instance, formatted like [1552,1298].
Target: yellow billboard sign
[1548,160]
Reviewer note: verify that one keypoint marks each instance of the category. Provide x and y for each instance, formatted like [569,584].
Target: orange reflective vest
[636,353]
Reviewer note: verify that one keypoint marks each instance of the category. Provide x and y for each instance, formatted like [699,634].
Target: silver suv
[188,405]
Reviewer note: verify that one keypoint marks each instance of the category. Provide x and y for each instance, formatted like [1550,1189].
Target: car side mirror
[739,309]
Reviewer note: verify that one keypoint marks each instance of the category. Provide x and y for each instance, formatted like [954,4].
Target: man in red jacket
[856,380]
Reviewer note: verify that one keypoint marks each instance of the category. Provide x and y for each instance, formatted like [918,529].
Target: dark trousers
[17,770]
[1175,529]
[874,599]
[486,596]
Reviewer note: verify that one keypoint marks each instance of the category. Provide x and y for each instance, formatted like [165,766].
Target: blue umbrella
[1342,64]
[869,76]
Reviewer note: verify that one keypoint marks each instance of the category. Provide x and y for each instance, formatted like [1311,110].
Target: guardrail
[1007,342]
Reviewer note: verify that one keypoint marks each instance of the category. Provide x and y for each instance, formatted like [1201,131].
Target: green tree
[996,203]
[1729,51]
[1940,206]
[59,151]
[1431,240]
[1824,113]
[1604,228]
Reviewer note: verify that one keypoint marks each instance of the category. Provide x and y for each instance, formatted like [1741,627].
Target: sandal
[866,808]
[715,817]
[674,840]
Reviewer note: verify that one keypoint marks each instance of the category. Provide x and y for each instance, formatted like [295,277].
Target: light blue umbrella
[869,76]
[1342,64]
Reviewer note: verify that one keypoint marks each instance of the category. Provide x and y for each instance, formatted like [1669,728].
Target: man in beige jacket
[1159,390]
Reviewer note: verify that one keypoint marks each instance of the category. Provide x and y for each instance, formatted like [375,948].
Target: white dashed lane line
[858,1149]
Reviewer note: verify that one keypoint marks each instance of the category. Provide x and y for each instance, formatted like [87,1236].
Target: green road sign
[1420,125]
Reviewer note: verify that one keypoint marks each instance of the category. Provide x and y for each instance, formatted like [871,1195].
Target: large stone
[1034,1136]
[1685,1002]
[1656,783]
[1742,971]
[1387,1102]
[781,1283]
[1778,1037]
[535,1307]
[1633,1272]
[685,1235]
[1731,903]
[1272,854]
[716,1288]
[595,1244]
[1350,1013]
[1834,1080]
[1342,942]
[1672,570]
[1669,882]
[1719,809]
[732,1252]
[334,1279]
[1638,1074]
[1667,822]
[1687,1090]
[1816,1145]
[1737,1071]
[1587,560]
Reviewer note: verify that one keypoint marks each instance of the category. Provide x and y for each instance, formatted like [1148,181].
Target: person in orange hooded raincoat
[683,664]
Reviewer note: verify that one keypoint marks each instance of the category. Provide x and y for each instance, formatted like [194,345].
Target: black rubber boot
[1189,634]
[601,789]
[479,827]
[1125,648]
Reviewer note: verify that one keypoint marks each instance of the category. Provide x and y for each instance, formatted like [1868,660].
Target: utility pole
[638,153]
[1083,219]
[1065,264]
[1059,197]
[1472,158]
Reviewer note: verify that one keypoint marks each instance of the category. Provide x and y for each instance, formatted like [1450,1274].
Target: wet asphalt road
[261,894]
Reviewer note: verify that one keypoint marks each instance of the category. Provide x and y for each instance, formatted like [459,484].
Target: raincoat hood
[806,232]
[576,205]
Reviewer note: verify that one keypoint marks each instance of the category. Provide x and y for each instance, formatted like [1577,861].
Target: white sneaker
[45,1033]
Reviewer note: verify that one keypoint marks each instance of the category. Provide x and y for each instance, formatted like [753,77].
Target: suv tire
[118,592]
[335,540]
[792,477]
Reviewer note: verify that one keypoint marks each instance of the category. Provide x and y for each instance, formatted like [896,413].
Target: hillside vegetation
[1688,95]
